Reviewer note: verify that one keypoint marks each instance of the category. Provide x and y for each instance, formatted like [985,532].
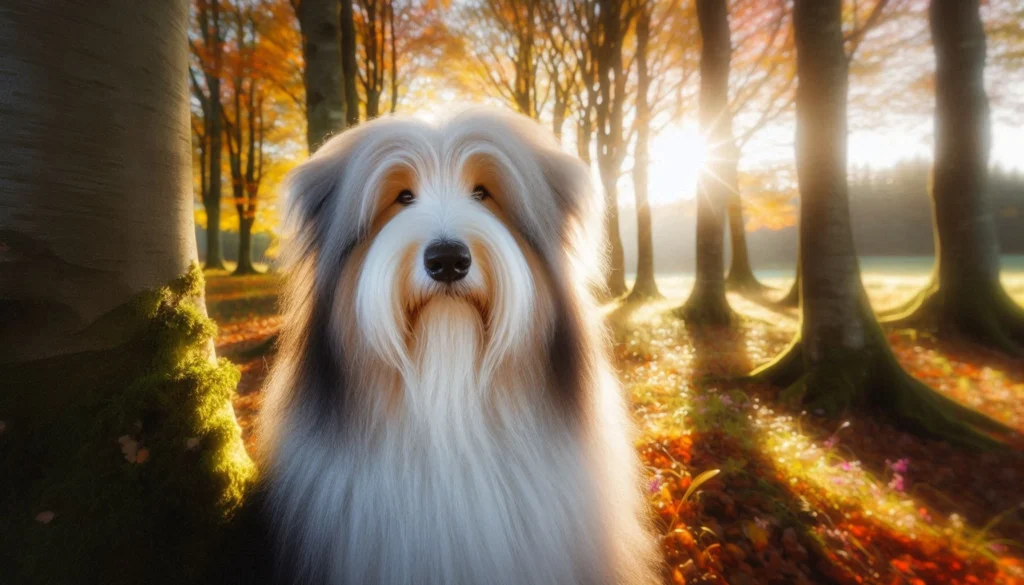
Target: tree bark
[105,333]
[95,189]
[245,265]
[741,276]
[212,196]
[792,298]
[967,297]
[348,62]
[645,286]
[325,105]
[707,303]
[610,147]
[842,358]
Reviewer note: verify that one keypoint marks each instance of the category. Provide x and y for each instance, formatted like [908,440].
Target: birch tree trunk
[123,457]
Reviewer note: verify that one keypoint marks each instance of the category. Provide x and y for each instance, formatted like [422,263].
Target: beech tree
[707,303]
[117,416]
[645,286]
[321,51]
[841,358]
[965,296]
[208,53]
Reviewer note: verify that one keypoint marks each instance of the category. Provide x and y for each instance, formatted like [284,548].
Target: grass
[747,491]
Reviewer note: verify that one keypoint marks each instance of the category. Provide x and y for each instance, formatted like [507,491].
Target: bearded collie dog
[441,411]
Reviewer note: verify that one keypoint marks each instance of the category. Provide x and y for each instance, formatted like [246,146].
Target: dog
[441,411]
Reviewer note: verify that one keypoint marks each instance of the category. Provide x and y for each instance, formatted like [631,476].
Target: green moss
[153,514]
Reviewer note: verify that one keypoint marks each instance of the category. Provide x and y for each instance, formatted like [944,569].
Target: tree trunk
[348,62]
[558,117]
[372,104]
[584,136]
[214,247]
[610,149]
[842,357]
[615,279]
[792,298]
[105,333]
[967,298]
[645,286]
[741,276]
[245,265]
[325,105]
[211,200]
[707,303]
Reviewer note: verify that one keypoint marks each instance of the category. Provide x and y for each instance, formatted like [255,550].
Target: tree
[707,303]
[645,286]
[761,92]
[508,57]
[118,417]
[350,70]
[373,31]
[841,357]
[613,19]
[321,51]
[965,296]
[208,51]
[246,127]
[862,19]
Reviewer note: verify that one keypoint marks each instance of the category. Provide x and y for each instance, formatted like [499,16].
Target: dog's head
[481,215]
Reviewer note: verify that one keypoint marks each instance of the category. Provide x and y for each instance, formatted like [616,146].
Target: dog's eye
[405,197]
[480,193]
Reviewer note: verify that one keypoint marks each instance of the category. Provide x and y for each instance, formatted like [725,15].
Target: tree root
[873,378]
[991,320]
[746,284]
[643,291]
[706,309]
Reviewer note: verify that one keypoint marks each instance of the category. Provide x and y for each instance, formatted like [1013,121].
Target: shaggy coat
[462,433]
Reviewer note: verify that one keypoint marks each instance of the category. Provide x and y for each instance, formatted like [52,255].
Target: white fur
[455,464]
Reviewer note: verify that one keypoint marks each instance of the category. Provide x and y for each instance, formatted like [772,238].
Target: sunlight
[677,157]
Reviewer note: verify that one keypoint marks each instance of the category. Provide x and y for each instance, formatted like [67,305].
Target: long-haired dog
[441,411]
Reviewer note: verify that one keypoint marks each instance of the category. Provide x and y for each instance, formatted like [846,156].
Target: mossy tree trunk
[792,297]
[967,297]
[707,303]
[120,451]
[842,358]
[741,276]
[645,286]
[321,51]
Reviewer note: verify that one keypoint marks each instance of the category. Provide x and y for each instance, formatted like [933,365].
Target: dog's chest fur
[457,487]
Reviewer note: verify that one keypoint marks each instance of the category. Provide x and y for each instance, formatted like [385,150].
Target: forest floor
[797,498]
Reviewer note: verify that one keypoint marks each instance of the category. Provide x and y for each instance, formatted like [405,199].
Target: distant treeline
[229,240]
[891,211]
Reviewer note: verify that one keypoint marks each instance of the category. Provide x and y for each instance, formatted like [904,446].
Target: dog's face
[477,219]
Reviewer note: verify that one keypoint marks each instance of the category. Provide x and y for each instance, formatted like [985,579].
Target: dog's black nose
[447,260]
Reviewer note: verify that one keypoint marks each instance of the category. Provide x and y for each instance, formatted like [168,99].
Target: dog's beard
[446,347]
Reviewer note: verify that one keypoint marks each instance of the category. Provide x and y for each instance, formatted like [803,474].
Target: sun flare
[677,156]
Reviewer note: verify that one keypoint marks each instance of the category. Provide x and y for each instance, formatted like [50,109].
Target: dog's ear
[310,186]
[580,210]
